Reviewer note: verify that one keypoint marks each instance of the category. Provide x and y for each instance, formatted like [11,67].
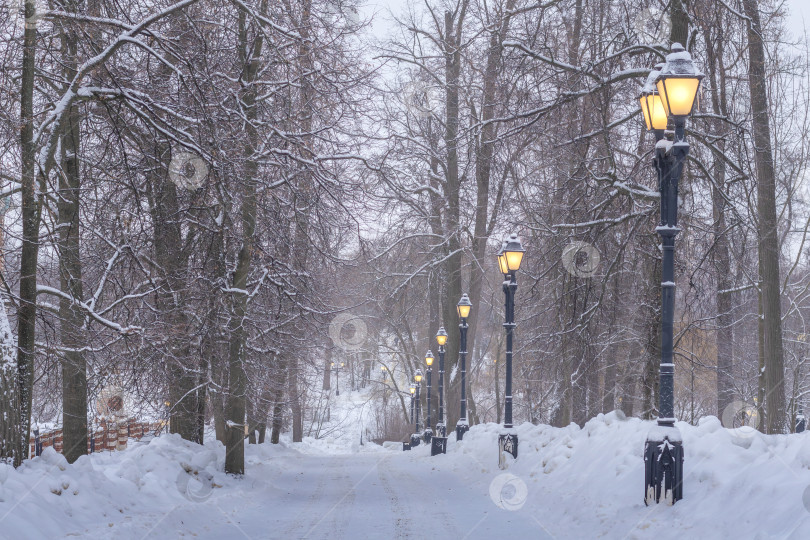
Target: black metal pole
[663,452]
[412,407]
[508,439]
[462,426]
[441,430]
[509,288]
[337,383]
[428,432]
[418,405]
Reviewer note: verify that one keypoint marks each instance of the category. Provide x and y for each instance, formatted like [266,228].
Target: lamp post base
[507,445]
[427,435]
[415,439]
[438,445]
[461,428]
[441,431]
[663,465]
[406,446]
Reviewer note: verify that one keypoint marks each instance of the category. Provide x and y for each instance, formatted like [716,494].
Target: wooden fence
[109,436]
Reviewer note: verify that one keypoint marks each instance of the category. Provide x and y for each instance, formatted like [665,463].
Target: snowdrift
[572,482]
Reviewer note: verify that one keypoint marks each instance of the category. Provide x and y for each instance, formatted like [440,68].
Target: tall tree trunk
[724,335]
[250,52]
[484,151]
[452,265]
[769,249]
[31,209]
[72,320]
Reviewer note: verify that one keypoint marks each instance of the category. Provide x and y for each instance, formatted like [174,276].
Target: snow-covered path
[569,483]
[355,496]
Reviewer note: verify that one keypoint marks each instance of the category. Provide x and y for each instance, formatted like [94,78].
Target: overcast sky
[797,20]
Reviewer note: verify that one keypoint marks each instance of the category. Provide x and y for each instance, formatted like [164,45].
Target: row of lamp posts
[510,257]
[667,99]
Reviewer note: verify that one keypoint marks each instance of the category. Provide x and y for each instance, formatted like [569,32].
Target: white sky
[799,16]
[797,20]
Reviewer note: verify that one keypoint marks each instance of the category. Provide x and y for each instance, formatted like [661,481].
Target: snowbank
[567,483]
[588,482]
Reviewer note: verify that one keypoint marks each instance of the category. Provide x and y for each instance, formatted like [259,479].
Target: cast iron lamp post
[441,339]
[414,417]
[509,259]
[428,430]
[336,368]
[417,437]
[674,85]
[438,444]
[463,307]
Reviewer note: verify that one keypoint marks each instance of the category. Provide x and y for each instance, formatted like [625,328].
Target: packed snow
[566,483]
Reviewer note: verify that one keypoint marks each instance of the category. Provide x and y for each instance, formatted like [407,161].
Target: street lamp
[441,339]
[439,442]
[429,362]
[414,436]
[336,368]
[509,258]
[417,377]
[677,83]
[463,307]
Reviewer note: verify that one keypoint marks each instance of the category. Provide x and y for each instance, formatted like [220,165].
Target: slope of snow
[566,483]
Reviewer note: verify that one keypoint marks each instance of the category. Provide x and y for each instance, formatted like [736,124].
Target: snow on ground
[566,483]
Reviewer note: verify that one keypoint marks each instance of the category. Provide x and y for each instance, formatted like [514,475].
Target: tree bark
[31,210]
[769,248]
[72,320]
[250,52]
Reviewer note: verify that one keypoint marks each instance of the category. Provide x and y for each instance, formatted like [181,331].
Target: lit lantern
[464,306]
[655,117]
[678,83]
[441,337]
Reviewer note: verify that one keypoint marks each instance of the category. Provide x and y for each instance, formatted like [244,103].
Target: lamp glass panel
[464,311]
[645,111]
[513,260]
[441,340]
[429,360]
[502,263]
[418,377]
[658,115]
[679,94]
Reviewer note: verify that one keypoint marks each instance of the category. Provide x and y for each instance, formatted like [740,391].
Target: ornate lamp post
[414,419]
[439,441]
[428,430]
[674,85]
[416,437]
[336,368]
[509,259]
[463,307]
[441,339]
